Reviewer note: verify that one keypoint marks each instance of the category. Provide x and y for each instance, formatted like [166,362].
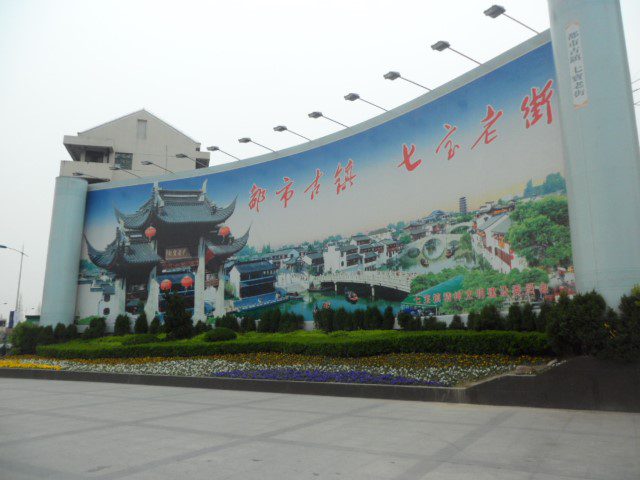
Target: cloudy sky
[217,71]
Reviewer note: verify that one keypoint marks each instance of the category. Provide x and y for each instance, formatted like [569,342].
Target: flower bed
[393,369]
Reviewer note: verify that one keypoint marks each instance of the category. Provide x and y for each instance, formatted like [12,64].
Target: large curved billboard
[446,204]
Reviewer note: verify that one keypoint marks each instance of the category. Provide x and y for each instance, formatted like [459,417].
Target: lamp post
[116,168]
[22,255]
[395,75]
[352,97]
[248,140]
[319,114]
[218,149]
[283,128]
[495,11]
[197,162]
[149,162]
[441,45]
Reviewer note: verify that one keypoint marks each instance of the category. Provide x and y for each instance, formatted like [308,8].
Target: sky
[217,71]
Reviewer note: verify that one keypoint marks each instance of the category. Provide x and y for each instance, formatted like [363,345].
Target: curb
[387,392]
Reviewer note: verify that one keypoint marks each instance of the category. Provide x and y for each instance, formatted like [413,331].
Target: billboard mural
[446,207]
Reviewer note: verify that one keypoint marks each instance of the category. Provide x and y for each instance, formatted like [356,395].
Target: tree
[122,325]
[528,318]
[388,319]
[578,325]
[24,338]
[60,333]
[97,328]
[490,318]
[248,324]
[514,318]
[472,320]
[408,321]
[72,332]
[456,323]
[177,321]
[228,320]
[624,341]
[141,325]
[155,327]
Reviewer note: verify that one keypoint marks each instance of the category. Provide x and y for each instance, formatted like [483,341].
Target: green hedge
[347,344]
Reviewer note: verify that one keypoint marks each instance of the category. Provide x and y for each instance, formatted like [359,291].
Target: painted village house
[151,253]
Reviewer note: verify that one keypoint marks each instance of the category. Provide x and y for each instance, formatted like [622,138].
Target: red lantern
[186,282]
[224,231]
[166,285]
[150,232]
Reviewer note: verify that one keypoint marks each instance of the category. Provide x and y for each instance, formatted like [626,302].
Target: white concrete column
[198,300]
[220,311]
[600,138]
[153,295]
[63,254]
[121,296]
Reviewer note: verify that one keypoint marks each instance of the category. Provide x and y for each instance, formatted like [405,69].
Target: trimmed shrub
[46,336]
[344,344]
[290,322]
[60,333]
[388,319]
[122,325]
[472,320]
[201,327]
[489,318]
[529,318]
[97,328]
[432,323]
[220,334]
[514,318]
[456,323]
[139,339]
[269,321]
[228,320]
[543,318]
[577,326]
[408,322]
[72,332]
[177,321]
[155,326]
[141,325]
[624,341]
[248,324]
[24,338]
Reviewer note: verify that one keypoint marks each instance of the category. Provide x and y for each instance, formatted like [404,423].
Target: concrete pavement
[81,430]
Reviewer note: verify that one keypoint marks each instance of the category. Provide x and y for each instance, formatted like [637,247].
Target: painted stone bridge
[395,280]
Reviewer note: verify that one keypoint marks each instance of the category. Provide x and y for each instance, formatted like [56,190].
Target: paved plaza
[80,430]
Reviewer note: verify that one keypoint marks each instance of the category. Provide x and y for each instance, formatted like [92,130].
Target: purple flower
[317,375]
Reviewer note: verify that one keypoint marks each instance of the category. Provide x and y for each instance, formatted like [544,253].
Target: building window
[93,157]
[124,160]
[142,129]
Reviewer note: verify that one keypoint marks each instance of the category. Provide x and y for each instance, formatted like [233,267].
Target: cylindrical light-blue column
[600,138]
[63,254]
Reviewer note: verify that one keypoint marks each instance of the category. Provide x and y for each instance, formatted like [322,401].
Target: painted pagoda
[176,241]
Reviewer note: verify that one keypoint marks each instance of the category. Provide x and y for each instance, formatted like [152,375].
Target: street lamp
[218,149]
[495,11]
[282,128]
[441,45]
[148,162]
[197,161]
[352,97]
[395,75]
[319,114]
[248,140]
[22,255]
[118,169]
